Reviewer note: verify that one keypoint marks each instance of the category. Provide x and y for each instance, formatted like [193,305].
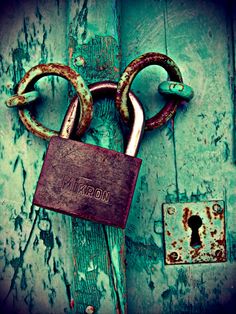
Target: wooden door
[51,263]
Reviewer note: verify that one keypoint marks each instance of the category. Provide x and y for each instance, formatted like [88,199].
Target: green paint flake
[48,241]
[36,242]
[166,294]
[18,55]
[151,285]
[52,296]
[18,223]
[47,238]
[23,283]
[58,242]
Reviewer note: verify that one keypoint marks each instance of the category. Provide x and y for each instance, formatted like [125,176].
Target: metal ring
[108,88]
[22,100]
[170,88]
[151,58]
[27,85]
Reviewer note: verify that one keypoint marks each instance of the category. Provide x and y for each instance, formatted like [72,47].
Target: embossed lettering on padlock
[87,181]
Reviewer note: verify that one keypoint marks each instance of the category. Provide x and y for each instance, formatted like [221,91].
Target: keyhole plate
[179,246]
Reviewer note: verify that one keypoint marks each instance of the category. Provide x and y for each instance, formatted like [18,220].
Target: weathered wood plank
[232,47]
[110,270]
[98,251]
[205,168]
[200,148]
[35,244]
[144,32]
[156,145]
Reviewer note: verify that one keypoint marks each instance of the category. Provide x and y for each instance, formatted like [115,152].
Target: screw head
[174,256]
[217,209]
[218,253]
[79,61]
[171,210]
[90,309]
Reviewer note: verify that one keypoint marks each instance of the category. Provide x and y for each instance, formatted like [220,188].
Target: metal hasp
[194,232]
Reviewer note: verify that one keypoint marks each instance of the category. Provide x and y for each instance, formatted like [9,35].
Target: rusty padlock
[88,181]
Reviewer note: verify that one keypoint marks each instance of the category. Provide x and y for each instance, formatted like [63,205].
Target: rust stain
[72,303]
[122,251]
[220,256]
[168,233]
[204,229]
[213,233]
[70,52]
[221,241]
[219,215]
[195,253]
[186,215]
[174,244]
[174,258]
[208,212]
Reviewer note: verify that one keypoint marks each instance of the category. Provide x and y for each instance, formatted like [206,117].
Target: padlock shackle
[68,123]
[136,132]
[137,127]
[107,88]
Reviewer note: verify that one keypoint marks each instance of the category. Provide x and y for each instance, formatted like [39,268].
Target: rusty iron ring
[151,58]
[22,100]
[108,89]
[85,97]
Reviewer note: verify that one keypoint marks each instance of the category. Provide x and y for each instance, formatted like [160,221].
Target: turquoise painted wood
[188,160]
[49,261]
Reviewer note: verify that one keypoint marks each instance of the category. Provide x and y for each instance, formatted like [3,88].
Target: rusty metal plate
[194,232]
[87,181]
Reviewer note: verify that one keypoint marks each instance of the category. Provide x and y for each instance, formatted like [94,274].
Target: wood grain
[47,261]
[35,244]
[191,157]
[40,259]
[98,251]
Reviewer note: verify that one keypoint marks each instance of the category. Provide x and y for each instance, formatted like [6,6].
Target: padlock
[88,181]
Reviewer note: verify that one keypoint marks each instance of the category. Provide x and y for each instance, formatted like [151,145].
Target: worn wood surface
[232,49]
[191,159]
[48,260]
[98,250]
[36,267]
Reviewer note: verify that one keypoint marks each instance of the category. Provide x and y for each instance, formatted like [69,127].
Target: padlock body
[87,181]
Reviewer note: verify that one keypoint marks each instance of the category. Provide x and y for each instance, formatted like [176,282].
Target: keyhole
[195,223]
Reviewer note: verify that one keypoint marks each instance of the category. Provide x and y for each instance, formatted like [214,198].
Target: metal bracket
[194,232]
